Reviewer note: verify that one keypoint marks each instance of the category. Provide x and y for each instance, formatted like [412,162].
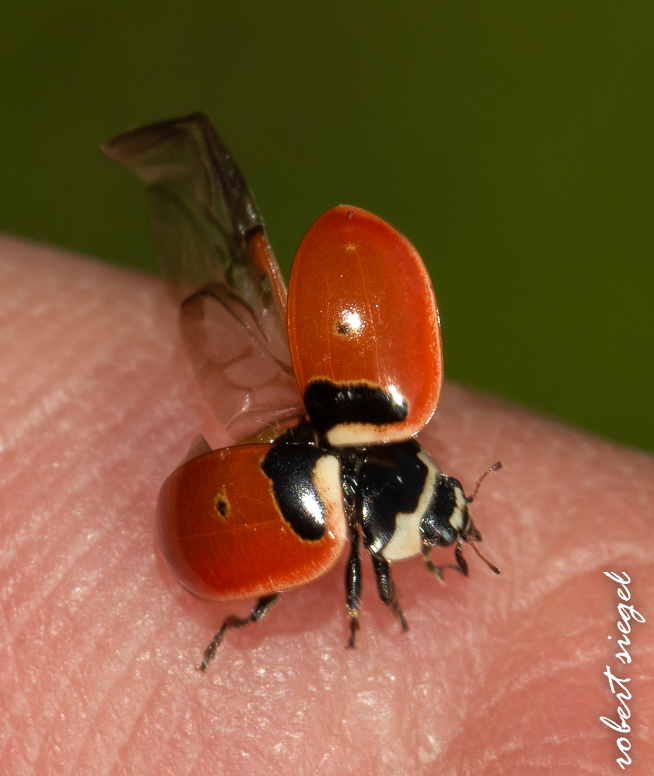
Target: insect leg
[259,611]
[353,586]
[386,588]
[431,567]
[463,564]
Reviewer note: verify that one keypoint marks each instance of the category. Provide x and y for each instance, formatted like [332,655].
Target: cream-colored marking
[457,520]
[406,541]
[364,434]
[327,479]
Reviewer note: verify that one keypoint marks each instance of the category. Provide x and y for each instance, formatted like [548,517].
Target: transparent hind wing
[204,215]
[212,246]
[240,364]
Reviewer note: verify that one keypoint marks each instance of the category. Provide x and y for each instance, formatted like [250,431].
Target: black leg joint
[259,611]
[353,585]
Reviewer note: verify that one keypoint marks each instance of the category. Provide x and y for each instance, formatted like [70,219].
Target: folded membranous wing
[240,366]
[212,246]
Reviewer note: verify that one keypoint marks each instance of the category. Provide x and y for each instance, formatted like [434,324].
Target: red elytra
[222,534]
[364,347]
[362,308]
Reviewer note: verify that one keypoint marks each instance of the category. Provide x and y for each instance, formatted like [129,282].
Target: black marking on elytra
[330,404]
[221,505]
[435,526]
[289,465]
[391,480]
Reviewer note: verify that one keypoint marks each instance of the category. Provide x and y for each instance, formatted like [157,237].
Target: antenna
[490,565]
[494,468]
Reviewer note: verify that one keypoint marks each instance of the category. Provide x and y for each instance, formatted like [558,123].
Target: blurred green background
[510,141]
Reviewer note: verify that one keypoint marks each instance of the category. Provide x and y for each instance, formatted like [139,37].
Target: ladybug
[323,390]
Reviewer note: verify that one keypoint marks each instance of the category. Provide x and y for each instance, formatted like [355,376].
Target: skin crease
[497,675]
